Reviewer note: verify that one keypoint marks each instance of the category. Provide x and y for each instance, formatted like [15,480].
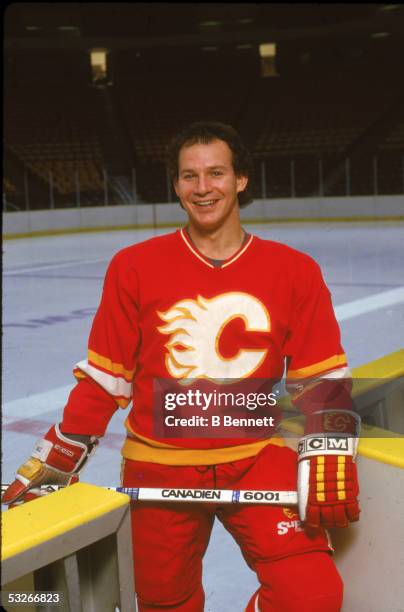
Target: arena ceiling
[120,25]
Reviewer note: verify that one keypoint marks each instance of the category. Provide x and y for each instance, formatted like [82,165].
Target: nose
[202,186]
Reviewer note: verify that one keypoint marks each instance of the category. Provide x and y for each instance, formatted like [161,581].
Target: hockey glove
[327,478]
[56,459]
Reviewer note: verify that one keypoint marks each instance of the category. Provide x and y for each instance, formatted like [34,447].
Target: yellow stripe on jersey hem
[107,364]
[317,368]
[137,450]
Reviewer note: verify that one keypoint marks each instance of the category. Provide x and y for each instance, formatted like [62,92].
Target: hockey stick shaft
[224,496]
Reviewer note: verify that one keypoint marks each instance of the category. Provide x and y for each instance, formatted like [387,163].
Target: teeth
[208,203]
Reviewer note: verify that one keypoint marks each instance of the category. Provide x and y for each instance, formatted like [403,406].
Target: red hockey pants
[295,569]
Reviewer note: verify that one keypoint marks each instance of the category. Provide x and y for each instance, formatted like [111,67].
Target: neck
[220,243]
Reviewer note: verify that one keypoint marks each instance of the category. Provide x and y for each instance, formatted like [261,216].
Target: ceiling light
[389,7]
[68,28]
[210,24]
[268,50]
[380,34]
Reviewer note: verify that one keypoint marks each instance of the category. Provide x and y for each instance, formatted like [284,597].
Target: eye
[187,177]
[217,173]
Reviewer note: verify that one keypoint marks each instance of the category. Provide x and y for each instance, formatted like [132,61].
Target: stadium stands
[301,129]
[49,123]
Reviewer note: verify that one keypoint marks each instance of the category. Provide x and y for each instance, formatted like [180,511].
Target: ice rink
[51,289]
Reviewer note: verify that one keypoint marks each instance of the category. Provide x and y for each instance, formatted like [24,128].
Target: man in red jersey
[212,302]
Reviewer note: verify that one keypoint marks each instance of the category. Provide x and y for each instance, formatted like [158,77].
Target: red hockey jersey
[168,313]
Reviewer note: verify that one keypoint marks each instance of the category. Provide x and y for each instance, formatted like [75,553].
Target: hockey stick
[225,496]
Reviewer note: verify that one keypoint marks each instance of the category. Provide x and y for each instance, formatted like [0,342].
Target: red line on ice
[37,428]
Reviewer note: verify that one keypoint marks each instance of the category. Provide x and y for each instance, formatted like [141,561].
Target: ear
[242,182]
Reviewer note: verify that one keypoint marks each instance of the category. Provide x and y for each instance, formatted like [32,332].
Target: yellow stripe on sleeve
[321,366]
[110,366]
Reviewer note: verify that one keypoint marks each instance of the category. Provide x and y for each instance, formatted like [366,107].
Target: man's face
[207,185]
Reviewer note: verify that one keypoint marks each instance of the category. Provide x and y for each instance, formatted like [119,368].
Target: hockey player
[211,301]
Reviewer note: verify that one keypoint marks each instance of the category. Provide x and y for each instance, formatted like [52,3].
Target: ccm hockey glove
[57,459]
[327,477]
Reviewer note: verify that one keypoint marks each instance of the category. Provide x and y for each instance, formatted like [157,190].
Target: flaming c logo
[336,422]
[195,327]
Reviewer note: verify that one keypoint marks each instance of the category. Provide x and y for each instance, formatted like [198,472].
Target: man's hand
[327,477]
[57,459]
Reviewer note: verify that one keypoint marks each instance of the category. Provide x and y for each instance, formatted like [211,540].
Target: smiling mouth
[206,203]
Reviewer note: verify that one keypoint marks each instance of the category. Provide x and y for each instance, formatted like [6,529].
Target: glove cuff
[61,453]
[334,422]
[332,444]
